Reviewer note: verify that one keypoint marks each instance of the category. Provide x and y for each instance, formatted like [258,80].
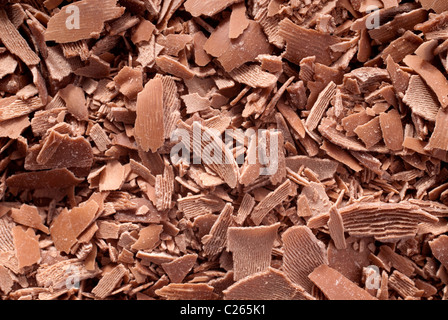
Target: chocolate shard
[230,52]
[29,216]
[208,7]
[295,36]
[251,248]
[438,248]
[180,267]
[273,199]
[56,178]
[431,75]
[14,42]
[59,151]
[81,20]
[149,128]
[337,287]
[69,225]
[187,291]
[303,252]
[26,246]
[392,129]
[215,241]
[421,99]
[267,285]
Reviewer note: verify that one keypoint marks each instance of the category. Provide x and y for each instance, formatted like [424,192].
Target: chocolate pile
[223,149]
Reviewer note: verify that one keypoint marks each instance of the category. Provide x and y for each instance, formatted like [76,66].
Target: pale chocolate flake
[238,20]
[392,130]
[251,249]
[439,249]
[207,7]
[26,246]
[148,237]
[109,281]
[69,225]
[215,241]
[432,76]
[59,151]
[388,222]
[56,178]
[197,205]
[86,23]
[99,137]
[129,81]
[337,287]
[439,138]
[14,42]
[271,284]
[232,53]
[317,43]
[13,107]
[268,203]
[404,286]
[164,188]
[320,106]
[246,206]
[253,76]
[149,130]
[292,118]
[187,291]
[370,133]
[58,274]
[437,6]
[336,227]
[172,66]
[8,64]
[29,216]
[75,101]
[180,267]
[421,99]
[303,252]
[13,128]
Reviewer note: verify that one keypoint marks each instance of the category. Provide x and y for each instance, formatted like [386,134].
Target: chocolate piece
[337,287]
[224,149]
[83,21]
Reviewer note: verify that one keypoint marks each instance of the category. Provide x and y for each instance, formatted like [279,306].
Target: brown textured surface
[134,151]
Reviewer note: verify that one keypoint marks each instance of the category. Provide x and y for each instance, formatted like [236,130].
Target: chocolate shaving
[231,53]
[184,149]
[149,122]
[303,252]
[87,22]
[251,248]
[295,36]
[14,42]
[337,287]
[208,8]
[268,285]
[431,75]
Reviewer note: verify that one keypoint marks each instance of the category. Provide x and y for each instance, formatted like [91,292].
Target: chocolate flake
[303,252]
[268,285]
[337,287]
[149,123]
[138,150]
[251,248]
[83,21]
